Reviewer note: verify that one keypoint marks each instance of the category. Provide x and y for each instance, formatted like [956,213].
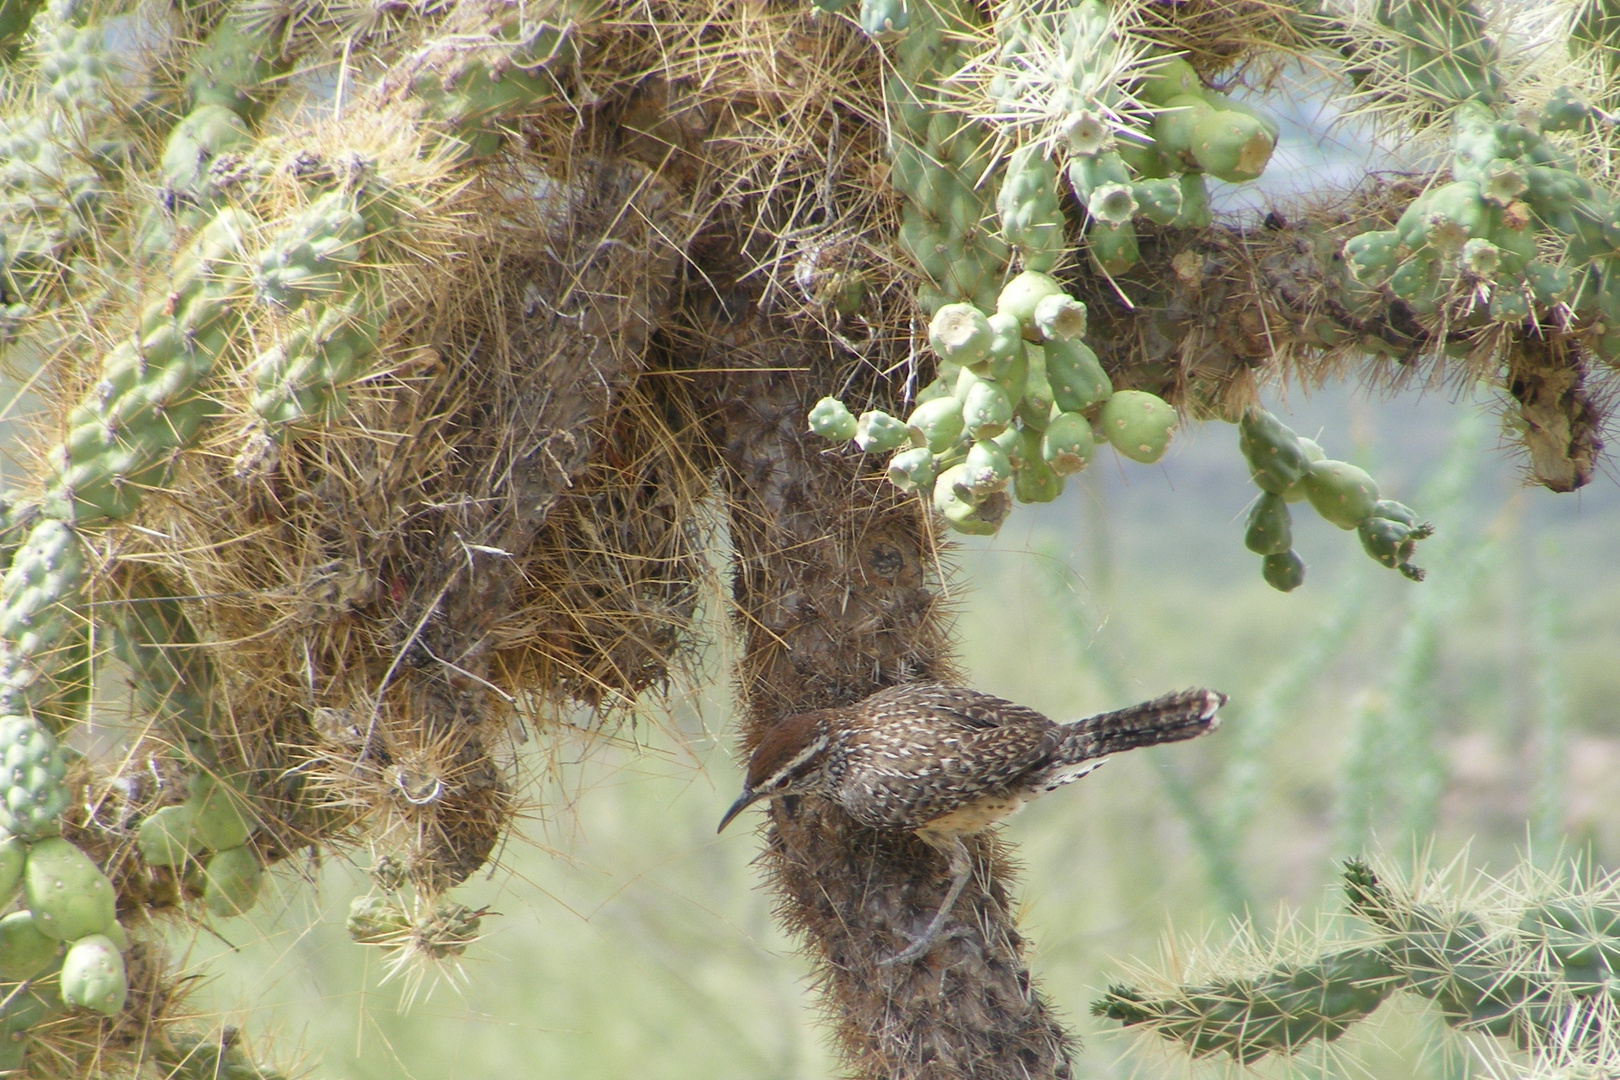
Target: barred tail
[1171,718]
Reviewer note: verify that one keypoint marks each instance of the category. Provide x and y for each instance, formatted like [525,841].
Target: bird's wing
[969,708]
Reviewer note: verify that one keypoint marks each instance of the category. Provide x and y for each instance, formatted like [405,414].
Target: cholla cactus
[1529,959]
[347,451]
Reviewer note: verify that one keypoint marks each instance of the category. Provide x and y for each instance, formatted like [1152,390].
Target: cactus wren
[945,762]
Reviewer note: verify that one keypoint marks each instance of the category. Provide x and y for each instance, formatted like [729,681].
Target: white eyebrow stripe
[815,747]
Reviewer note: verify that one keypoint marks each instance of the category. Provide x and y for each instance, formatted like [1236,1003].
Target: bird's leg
[961,867]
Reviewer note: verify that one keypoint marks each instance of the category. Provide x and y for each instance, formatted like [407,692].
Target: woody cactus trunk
[382,359]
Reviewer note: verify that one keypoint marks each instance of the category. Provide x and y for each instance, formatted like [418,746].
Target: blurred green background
[1480,708]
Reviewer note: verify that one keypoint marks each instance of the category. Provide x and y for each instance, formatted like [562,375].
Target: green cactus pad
[24,951]
[831,420]
[1284,572]
[93,975]
[1138,424]
[68,894]
[232,879]
[1340,492]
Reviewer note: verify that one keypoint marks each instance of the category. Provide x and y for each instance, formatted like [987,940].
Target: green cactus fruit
[984,519]
[1076,376]
[1275,455]
[168,836]
[1112,204]
[885,20]
[1394,511]
[961,334]
[986,408]
[1195,209]
[1167,78]
[1295,492]
[1391,543]
[1086,132]
[1340,492]
[1034,408]
[986,468]
[1138,424]
[1480,258]
[953,497]
[913,470]
[876,432]
[32,768]
[1415,282]
[93,975]
[1060,318]
[1006,343]
[1158,200]
[1565,110]
[13,856]
[1454,214]
[1509,305]
[1550,283]
[1141,156]
[1232,146]
[68,894]
[1113,248]
[830,419]
[1270,530]
[377,920]
[1372,256]
[24,951]
[221,818]
[231,881]
[1036,482]
[1087,174]
[204,134]
[1174,126]
[1284,572]
[1502,182]
[1067,444]
[1020,296]
[936,424]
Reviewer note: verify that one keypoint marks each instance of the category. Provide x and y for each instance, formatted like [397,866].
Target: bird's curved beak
[744,800]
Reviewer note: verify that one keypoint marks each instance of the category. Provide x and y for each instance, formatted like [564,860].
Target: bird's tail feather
[1171,718]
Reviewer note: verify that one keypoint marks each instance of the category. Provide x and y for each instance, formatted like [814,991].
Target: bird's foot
[924,943]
